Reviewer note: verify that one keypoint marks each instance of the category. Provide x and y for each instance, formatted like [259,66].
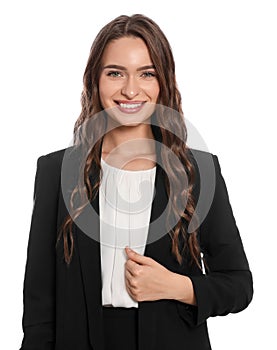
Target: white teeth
[129,105]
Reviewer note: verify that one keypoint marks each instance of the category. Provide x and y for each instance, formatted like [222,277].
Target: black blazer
[62,306]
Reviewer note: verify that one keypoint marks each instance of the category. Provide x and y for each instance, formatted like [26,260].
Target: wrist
[183,289]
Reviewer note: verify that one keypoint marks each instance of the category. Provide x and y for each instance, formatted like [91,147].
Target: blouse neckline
[151,170]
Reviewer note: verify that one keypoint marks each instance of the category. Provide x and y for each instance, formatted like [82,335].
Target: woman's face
[128,85]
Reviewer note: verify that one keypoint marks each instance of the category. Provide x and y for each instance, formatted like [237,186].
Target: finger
[130,266]
[140,259]
[128,276]
[128,286]
[129,290]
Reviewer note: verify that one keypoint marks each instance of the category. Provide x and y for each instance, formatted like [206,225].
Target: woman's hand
[148,280]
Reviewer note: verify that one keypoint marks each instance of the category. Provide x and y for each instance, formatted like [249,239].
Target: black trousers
[120,328]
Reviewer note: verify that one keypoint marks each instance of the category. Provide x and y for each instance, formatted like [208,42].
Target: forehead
[127,51]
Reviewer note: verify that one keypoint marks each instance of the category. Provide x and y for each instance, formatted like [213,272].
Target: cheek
[157,91]
[107,89]
[154,91]
[102,89]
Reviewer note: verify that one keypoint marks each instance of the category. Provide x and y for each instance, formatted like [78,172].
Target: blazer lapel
[88,245]
[90,262]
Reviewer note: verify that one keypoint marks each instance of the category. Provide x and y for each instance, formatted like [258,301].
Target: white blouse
[125,201]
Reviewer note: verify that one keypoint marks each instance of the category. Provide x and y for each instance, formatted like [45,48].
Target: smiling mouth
[130,107]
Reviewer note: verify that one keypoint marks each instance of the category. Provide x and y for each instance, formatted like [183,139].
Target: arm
[38,320]
[227,286]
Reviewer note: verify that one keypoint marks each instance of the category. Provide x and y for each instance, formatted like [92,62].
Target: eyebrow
[124,68]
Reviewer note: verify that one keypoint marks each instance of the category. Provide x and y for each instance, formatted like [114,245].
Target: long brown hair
[161,55]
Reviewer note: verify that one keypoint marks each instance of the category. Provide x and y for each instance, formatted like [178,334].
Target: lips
[130,106]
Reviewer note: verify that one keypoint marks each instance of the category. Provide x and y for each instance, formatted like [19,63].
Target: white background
[225,53]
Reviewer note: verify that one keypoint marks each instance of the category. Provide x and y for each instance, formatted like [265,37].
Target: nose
[131,88]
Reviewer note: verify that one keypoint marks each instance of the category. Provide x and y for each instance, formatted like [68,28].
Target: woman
[83,288]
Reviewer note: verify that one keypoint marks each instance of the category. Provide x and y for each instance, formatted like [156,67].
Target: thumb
[141,259]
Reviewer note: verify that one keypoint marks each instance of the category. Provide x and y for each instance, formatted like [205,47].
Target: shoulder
[204,162]
[196,154]
[49,168]
[53,160]
[207,179]
[55,156]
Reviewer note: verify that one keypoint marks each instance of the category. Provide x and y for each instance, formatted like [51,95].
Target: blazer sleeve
[38,320]
[227,286]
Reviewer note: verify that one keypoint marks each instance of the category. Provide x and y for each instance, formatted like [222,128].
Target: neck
[130,140]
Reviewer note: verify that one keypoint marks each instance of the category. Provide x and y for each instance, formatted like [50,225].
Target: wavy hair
[161,55]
